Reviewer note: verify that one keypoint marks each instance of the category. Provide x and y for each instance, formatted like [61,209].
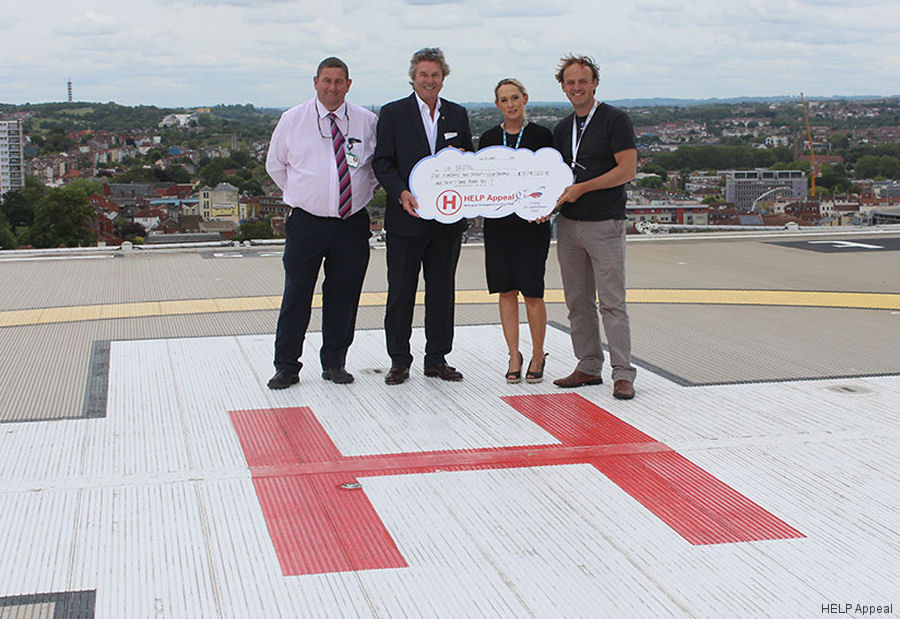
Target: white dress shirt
[431,124]
[301,156]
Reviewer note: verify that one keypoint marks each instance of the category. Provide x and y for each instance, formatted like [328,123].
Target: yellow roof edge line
[696,296]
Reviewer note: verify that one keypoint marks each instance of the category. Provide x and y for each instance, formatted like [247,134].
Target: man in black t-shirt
[597,141]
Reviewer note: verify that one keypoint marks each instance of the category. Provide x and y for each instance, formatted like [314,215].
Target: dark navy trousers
[343,246]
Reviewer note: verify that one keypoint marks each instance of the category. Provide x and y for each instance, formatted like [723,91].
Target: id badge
[352,159]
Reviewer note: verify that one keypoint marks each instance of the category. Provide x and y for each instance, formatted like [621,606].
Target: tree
[212,174]
[241,157]
[839,141]
[834,177]
[176,174]
[54,141]
[235,181]
[18,205]
[782,153]
[655,169]
[7,238]
[875,166]
[253,188]
[63,216]
[792,165]
[132,231]
[651,182]
[142,174]
[17,210]
[378,203]
[153,155]
[256,229]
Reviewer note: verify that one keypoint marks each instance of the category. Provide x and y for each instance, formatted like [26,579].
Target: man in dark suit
[409,130]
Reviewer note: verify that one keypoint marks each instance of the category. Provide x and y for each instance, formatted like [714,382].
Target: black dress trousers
[343,246]
[437,251]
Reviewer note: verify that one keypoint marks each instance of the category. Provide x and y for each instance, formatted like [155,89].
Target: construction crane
[812,151]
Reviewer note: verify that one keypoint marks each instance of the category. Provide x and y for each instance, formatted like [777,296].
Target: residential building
[12,170]
[149,218]
[684,212]
[178,120]
[887,189]
[805,213]
[745,187]
[777,140]
[703,182]
[220,203]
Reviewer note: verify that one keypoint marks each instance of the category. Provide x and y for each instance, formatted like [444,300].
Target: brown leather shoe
[443,371]
[396,375]
[577,379]
[623,389]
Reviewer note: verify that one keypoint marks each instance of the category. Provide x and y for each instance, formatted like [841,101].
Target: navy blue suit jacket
[401,144]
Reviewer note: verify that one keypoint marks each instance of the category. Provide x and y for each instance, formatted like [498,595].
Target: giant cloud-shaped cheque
[494,182]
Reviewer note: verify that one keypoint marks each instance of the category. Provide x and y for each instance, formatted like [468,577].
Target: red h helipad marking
[317,526]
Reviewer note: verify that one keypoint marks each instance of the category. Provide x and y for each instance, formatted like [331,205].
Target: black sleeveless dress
[515,251]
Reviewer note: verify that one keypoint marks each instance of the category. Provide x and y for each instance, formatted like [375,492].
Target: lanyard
[577,143]
[518,139]
[327,135]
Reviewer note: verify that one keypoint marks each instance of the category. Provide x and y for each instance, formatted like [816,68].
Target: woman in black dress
[515,250]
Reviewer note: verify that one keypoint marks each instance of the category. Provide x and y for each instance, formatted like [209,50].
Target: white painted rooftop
[147,471]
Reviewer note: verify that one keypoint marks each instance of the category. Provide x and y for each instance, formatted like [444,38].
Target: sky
[184,53]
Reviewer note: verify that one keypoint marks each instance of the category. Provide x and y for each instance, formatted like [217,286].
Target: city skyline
[183,53]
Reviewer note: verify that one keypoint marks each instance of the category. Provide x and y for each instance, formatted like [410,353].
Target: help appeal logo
[494,182]
[449,203]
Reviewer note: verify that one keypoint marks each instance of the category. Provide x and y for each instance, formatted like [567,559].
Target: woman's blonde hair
[510,80]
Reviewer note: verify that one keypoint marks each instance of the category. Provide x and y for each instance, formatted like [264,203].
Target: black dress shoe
[283,379]
[338,375]
[443,371]
[397,375]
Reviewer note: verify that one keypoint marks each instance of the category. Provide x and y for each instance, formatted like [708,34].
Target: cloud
[282,15]
[180,52]
[91,24]
[525,8]
[658,6]
[438,18]
[835,3]
[251,4]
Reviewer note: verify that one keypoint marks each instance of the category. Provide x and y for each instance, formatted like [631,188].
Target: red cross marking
[317,526]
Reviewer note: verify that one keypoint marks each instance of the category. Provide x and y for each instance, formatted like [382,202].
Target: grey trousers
[592,264]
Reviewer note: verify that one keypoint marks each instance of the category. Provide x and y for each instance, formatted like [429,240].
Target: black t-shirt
[609,132]
[534,137]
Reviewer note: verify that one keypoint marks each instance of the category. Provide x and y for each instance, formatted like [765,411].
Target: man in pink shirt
[320,156]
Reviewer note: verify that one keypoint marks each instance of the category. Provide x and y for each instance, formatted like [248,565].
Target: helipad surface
[183,487]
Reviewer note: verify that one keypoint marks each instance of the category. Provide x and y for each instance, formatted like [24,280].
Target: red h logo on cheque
[449,202]
[318,527]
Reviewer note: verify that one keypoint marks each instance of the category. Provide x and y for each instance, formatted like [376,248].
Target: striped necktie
[340,158]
